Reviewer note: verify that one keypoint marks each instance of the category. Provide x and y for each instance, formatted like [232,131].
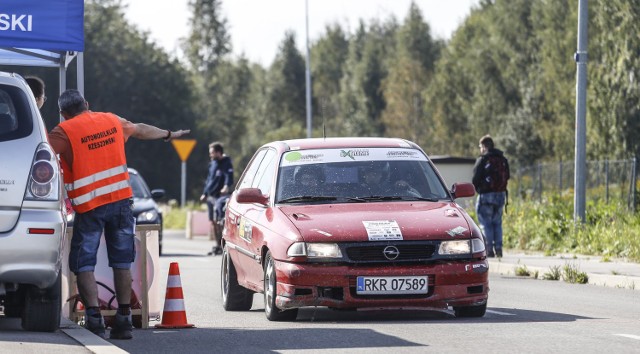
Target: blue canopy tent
[43,33]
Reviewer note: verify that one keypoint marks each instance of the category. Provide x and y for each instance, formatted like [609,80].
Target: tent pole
[63,76]
[80,72]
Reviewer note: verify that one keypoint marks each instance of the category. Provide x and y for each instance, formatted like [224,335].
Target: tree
[328,56]
[409,75]
[284,116]
[127,74]
[209,41]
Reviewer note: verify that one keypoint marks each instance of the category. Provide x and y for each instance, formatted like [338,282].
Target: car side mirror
[157,194]
[251,195]
[462,190]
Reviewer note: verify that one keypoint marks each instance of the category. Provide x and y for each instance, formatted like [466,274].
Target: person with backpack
[490,177]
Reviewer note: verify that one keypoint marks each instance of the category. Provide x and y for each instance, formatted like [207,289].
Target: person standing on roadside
[92,156]
[216,191]
[37,87]
[490,177]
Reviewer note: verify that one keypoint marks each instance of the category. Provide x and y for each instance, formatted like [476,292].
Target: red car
[350,223]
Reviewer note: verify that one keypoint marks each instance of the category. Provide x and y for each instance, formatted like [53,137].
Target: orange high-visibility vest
[98,174]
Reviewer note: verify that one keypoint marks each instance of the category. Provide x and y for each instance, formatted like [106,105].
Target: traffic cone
[174,314]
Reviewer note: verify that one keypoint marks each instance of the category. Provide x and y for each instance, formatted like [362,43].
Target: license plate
[392,285]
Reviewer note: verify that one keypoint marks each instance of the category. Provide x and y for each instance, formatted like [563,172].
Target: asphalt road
[524,316]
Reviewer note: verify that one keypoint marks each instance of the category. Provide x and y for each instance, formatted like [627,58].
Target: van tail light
[44,175]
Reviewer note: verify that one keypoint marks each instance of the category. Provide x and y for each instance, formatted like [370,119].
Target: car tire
[272,312]
[470,311]
[234,296]
[42,308]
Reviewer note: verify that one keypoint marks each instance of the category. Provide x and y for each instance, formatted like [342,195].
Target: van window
[16,120]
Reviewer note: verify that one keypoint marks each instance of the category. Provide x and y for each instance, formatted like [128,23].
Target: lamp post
[308,71]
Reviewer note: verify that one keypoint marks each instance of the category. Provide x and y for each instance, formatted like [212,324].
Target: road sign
[184,147]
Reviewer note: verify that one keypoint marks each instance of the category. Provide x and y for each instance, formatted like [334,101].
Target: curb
[89,340]
[607,280]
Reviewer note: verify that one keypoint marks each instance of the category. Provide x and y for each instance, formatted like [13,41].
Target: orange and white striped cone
[174,314]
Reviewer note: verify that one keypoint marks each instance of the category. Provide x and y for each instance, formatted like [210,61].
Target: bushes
[610,229]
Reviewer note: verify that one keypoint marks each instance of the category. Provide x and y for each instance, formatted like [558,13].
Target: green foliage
[554,273]
[571,274]
[610,229]
[522,271]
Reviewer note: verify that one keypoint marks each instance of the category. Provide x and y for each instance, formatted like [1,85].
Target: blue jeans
[117,221]
[215,207]
[489,208]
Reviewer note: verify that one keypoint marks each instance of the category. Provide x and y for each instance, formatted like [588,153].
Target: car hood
[346,222]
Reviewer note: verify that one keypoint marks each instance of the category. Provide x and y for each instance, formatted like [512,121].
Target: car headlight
[455,247]
[146,216]
[314,250]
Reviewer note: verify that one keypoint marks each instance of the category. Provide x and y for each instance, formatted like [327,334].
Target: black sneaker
[122,328]
[499,253]
[95,324]
[218,250]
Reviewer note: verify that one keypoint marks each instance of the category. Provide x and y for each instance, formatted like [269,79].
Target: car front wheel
[234,296]
[273,313]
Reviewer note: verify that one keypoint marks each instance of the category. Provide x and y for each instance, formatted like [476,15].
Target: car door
[254,223]
[235,223]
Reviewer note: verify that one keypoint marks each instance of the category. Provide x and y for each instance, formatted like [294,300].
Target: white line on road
[627,336]
[501,313]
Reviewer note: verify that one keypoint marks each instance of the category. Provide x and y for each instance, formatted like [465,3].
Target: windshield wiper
[373,198]
[307,198]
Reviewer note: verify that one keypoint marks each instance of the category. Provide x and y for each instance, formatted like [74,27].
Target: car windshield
[139,187]
[357,176]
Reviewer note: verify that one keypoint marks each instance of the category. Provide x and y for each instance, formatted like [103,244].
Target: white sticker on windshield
[383,230]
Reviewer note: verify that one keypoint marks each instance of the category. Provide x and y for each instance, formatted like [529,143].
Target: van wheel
[270,292]
[42,308]
[234,296]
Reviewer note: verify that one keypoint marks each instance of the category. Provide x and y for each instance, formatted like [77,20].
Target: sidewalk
[615,273]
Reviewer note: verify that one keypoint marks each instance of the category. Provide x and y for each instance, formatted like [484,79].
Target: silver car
[32,212]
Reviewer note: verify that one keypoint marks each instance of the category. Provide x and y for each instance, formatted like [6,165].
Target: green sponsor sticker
[293,156]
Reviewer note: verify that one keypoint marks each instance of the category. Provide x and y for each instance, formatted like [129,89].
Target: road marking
[627,336]
[501,313]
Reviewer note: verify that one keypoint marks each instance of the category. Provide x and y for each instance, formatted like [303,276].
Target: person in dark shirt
[490,177]
[216,191]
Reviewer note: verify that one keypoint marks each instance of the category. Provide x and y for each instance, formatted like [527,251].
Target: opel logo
[391,253]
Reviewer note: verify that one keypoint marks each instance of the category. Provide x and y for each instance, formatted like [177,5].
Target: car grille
[376,253]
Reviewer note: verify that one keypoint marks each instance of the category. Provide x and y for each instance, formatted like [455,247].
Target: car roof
[336,143]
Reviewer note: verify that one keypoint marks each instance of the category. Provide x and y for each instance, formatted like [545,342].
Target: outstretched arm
[150,132]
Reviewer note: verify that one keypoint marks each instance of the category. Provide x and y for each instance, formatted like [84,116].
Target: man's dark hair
[487,141]
[217,147]
[36,84]
[72,103]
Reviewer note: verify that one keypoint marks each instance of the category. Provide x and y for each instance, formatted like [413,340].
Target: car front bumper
[450,284]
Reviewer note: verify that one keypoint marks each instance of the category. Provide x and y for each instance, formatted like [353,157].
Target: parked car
[376,228]
[32,212]
[145,209]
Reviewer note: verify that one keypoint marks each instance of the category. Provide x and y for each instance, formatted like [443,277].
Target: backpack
[496,173]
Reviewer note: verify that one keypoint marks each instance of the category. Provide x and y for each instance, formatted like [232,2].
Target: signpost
[184,148]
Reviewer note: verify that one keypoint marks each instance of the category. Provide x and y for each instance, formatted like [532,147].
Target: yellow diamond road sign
[184,147]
